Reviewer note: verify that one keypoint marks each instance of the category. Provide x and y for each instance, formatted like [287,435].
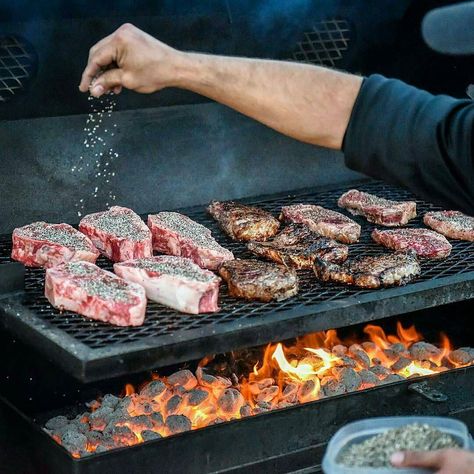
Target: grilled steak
[393,269]
[378,210]
[84,288]
[331,224]
[255,280]
[45,245]
[118,233]
[176,234]
[173,281]
[452,224]
[243,222]
[298,246]
[425,243]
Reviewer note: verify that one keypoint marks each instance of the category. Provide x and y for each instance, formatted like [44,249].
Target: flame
[129,389]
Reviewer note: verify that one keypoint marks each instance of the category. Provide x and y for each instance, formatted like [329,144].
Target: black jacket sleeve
[406,136]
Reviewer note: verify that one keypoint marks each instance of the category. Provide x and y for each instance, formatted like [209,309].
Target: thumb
[431,459]
[107,81]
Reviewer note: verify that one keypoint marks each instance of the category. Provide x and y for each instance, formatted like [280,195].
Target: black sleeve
[406,136]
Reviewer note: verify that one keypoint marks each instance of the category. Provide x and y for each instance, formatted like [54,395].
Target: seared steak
[255,280]
[393,269]
[298,246]
[177,234]
[45,245]
[452,224]
[243,222]
[425,243]
[378,210]
[325,222]
[173,281]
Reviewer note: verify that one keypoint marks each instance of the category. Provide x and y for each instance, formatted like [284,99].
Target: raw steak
[392,269]
[45,245]
[84,288]
[378,210]
[174,281]
[425,243]
[452,224]
[330,224]
[298,246]
[176,234]
[255,280]
[243,222]
[118,233]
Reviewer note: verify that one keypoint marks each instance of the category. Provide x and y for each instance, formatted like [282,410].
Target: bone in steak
[174,281]
[392,269]
[452,224]
[177,234]
[424,242]
[298,246]
[330,224]
[378,210]
[256,280]
[118,233]
[243,222]
[45,245]
[84,288]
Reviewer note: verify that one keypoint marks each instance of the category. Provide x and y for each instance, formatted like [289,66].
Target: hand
[444,461]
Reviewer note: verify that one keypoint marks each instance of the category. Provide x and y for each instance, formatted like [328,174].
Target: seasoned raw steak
[173,281]
[378,210]
[118,233]
[45,245]
[331,224]
[425,243]
[243,222]
[84,288]
[176,234]
[298,246]
[393,269]
[452,224]
[255,280]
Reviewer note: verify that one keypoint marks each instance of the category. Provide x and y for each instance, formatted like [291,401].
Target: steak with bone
[424,242]
[118,233]
[298,246]
[330,224]
[393,269]
[452,224]
[243,222]
[173,281]
[177,234]
[86,289]
[45,245]
[256,280]
[378,210]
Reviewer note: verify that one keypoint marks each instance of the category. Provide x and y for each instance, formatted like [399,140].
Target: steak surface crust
[452,224]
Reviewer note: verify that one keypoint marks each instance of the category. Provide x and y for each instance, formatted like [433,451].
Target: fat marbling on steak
[393,269]
[45,245]
[452,224]
[256,280]
[378,210]
[424,242]
[118,233]
[177,234]
[86,289]
[330,224]
[243,222]
[176,282]
[298,246]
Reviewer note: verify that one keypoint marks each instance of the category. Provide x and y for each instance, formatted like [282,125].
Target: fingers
[110,80]
[97,61]
[433,459]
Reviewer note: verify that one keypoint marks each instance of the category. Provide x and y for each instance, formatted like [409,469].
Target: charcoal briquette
[153,389]
[56,423]
[148,435]
[177,424]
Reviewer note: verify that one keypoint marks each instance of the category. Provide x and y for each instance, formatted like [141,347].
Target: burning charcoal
[369,347]
[124,403]
[469,350]
[284,404]
[376,361]
[102,449]
[392,378]
[348,377]
[94,438]
[56,423]
[460,357]
[369,379]
[290,393]
[173,404]
[391,355]
[423,351]
[230,401]
[93,405]
[211,381]
[157,419]
[148,435]
[346,361]
[141,421]
[184,378]
[196,396]
[110,400]
[81,422]
[123,436]
[153,389]
[177,424]
[380,371]
[70,427]
[339,350]
[245,410]
[400,364]
[259,385]
[74,441]
[359,355]
[217,421]
[268,394]
[333,387]
[399,347]
[99,419]
[264,405]
[309,391]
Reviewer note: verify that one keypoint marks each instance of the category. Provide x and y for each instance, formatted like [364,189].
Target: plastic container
[359,431]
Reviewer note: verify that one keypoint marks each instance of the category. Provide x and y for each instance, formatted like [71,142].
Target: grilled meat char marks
[243,222]
[328,223]
[256,280]
[378,210]
[298,246]
[452,224]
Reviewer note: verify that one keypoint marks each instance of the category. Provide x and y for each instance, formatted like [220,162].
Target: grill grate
[164,327]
